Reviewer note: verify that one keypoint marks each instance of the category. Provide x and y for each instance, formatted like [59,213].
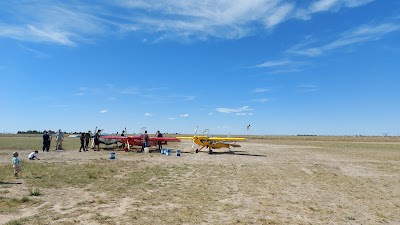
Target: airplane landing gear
[197,150]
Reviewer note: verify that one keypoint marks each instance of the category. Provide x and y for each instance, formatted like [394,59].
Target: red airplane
[137,140]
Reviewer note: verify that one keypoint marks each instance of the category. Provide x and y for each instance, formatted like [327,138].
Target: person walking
[59,139]
[82,139]
[16,164]
[87,139]
[46,141]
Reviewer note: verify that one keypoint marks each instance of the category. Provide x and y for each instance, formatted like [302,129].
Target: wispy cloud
[244,114]
[172,118]
[148,114]
[359,35]
[234,110]
[328,5]
[68,24]
[274,63]
[184,115]
[104,111]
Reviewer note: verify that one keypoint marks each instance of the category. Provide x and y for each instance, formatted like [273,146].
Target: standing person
[122,135]
[46,141]
[97,140]
[82,139]
[16,164]
[87,139]
[159,143]
[59,139]
[50,138]
[32,155]
[145,140]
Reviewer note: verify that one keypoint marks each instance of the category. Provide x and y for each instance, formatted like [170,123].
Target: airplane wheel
[197,151]
[210,152]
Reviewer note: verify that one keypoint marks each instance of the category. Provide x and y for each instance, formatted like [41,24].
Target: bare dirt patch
[260,183]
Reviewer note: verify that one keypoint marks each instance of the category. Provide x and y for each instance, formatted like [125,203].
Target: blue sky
[325,67]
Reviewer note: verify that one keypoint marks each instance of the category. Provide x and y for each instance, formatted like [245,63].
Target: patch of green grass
[34,192]
[15,222]
[9,205]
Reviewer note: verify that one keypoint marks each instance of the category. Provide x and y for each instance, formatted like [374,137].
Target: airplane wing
[164,139]
[118,138]
[225,139]
[187,138]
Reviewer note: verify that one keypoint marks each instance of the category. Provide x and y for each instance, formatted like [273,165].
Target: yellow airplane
[212,142]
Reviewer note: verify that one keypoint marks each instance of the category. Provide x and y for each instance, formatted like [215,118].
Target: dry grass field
[270,180]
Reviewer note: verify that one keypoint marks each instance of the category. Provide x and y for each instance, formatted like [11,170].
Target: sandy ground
[259,183]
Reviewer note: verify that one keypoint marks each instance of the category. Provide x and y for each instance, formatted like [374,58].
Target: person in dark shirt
[46,141]
[82,139]
[159,143]
[87,139]
[122,135]
[97,140]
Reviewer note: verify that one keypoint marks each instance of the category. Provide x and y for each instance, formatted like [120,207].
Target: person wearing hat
[16,164]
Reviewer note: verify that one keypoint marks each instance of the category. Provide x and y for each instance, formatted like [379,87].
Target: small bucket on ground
[146,150]
[112,155]
[178,152]
[168,152]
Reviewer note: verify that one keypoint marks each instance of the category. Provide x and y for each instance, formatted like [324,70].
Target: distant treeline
[33,132]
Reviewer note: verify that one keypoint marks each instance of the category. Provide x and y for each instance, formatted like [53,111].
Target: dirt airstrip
[259,183]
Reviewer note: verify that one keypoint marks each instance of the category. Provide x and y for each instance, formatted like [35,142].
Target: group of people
[145,140]
[85,138]
[48,136]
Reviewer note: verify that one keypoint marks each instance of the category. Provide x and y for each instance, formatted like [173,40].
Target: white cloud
[210,114]
[280,14]
[234,110]
[172,118]
[69,24]
[327,5]
[274,63]
[184,115]
[104,111]
[359,35]
[148,114]
[244,114]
